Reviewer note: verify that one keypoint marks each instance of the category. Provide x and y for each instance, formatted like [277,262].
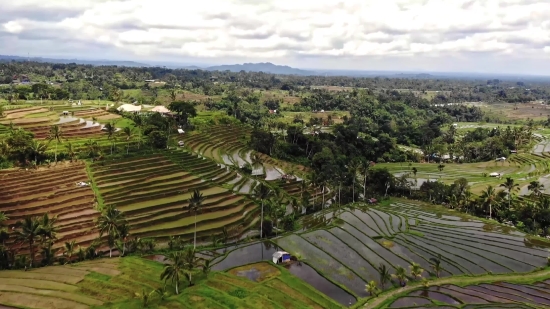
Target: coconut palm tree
[144,297]
[109,222]
[3,229]
[129,134]
[195,203]
[48,230]
[139,122]
[55,134]
[174,270]
[535,187]
[400,275]
[416,270]
[353,167]
[37,148]
[488,197]
[190,263]
[206,267]
[436,265]
[69,250]
[93,148]
[510,186]
[110,129]
[372,288]
[71,152]
[384,273]
[262,192]
[28,232]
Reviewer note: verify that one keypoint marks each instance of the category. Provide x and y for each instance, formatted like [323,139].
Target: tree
[69,250]
[3,229]
[144,297]
[384,273]
[174,270]
[372,288]
[206,267]
[436,265]
[195,203]
[353,167]
[38,149]
[162,292]
[110,129]
[488,197]
[401,275]
[55,134]
[28,232]
[129,133]
[416,270]
[71,152]
[183,111]
[48,230]
[440,167]
[109,222]
[535,187]
[190,262]
[262,192]
[510,186]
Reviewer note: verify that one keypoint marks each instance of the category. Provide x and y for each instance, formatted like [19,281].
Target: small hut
[281,257]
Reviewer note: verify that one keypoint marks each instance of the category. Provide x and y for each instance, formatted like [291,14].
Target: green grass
[219,290]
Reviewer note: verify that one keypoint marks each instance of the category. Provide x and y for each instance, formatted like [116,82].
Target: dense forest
[92,82]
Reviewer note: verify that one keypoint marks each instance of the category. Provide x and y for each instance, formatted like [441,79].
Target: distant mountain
[4,58]
[266,67]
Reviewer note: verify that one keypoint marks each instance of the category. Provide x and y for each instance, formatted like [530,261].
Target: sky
[482,36]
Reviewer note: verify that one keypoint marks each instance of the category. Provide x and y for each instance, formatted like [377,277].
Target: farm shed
[280,257]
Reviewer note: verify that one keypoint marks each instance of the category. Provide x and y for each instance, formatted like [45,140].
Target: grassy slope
[112,283]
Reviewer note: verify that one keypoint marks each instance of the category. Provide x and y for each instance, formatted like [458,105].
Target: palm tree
[109,222]
[139,122]
[510,186]
[92,147]
[262,192]
[194,206]
[384,275]
[372,288]
[3,230]
[69,250]
[488,197]
[416,270]
[173,271]
[535,187]
[129,133]
[353,168]
[190,262]
[162,292]
[71,151]
[401,275]
[206,267]
[123,233]
[436,265]
[47,227]
[55,134]
[144,296]
[440,167]
[37,148]
[28,232]
[110,129]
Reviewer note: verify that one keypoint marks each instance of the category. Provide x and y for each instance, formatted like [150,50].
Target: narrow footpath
[535,276]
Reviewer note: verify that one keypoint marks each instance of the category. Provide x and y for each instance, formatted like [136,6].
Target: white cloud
[290,31]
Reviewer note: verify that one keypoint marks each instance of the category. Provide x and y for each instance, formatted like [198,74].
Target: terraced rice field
[349,253]
[495,295]
[54,191]
[56,287]
[153,192]
[226,144]
[524,168]
[39,120]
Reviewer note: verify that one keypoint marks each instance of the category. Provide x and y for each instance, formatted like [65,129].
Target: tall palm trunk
[262,221]
[31,249]
[365,187]
[353,188]
[195,237]
[177,292]
[323,206]
[55,154]
[490,211]
[128,148]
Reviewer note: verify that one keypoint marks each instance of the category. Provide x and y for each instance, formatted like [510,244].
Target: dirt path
[545,274]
